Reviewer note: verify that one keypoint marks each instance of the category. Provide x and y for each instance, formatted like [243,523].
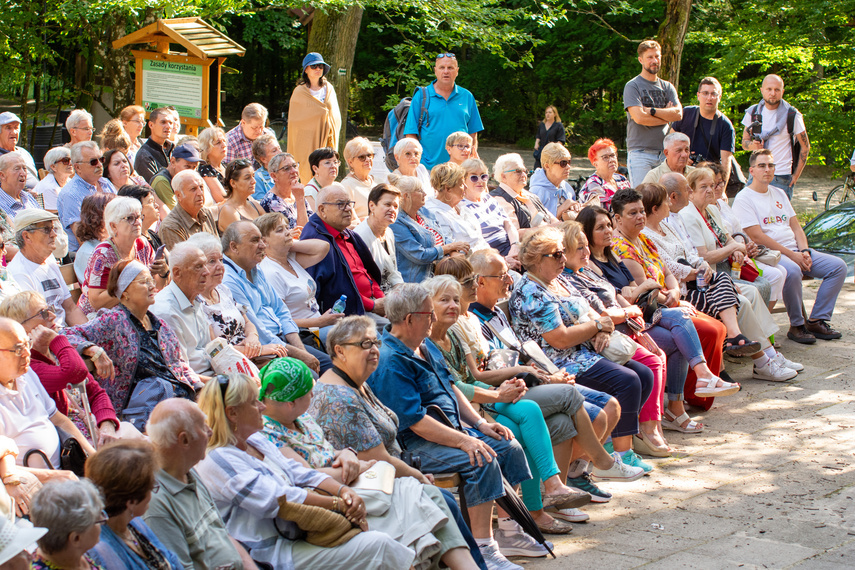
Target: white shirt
[383,252]
[462,225]
[45,279]
[189,323]
[779,143]
[771,211]
[25,414]
[297,292]
[49,188]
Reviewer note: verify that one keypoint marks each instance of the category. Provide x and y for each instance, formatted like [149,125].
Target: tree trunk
[334,35]
[671,35]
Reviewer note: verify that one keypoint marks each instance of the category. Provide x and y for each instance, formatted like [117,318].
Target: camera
[755,130]
[697,157]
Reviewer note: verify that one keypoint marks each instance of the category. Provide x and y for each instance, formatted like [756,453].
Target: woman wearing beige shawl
[314,119]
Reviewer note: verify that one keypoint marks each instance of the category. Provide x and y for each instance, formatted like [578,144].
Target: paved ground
[770,482]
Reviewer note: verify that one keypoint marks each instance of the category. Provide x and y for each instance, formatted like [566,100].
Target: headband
[129,273]
[289,377]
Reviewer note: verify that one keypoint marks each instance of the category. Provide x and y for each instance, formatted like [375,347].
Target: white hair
[503,162]
[119,208]
[163,432]
[63,507]
[56,154]
[674,138]
[76,117]
[10,159]
[208,243]
[183,253]
[184,177]
[406,144]
[77,150]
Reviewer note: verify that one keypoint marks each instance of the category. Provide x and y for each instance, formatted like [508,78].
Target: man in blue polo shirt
[449,108]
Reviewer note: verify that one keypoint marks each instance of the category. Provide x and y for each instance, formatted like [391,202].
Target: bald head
[677,188]
[12,337]
[772,90]
[9,327]
[172,417]
[335,206]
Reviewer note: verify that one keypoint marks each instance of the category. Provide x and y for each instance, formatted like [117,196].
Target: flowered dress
[647,256]
[227,318]
[272,202]
[596,186]
[308,442]
[103,259]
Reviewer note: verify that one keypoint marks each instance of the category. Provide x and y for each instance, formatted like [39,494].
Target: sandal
[709,388]
[733,348]
[641,444]
[669,421]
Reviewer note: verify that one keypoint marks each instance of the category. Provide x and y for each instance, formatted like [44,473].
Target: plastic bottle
[700,281]
[735,269]
[339,305]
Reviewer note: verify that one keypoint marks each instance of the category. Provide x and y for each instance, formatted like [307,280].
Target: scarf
[780,119]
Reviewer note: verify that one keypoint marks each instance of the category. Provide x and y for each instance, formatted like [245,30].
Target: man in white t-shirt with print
[775,134]
[769,219]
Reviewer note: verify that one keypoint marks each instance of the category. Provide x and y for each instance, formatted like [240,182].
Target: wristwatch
[479,422]
[599,326]
[652,111]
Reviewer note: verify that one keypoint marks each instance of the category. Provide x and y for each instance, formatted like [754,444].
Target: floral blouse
[647,256]
[535,310]
[274,203]
[40,563]
[103,259]
[596,289]
[596,186]
[349,420]
[227,318]
[308,442]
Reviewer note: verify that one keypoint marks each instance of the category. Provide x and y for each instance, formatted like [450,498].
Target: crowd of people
[250,365]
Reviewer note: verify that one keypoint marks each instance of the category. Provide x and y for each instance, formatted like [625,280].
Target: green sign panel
[167,83]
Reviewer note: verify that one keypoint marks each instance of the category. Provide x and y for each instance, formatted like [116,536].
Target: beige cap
[30,216]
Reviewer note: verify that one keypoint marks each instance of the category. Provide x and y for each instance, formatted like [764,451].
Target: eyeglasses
[66,160]
[611,156]
[148,282]
[469,281]
[710,94]
[463,147]
[331,162]
[19,349]
[316,66]
[288,167]
[504,276]
[45,230]
[431,313]
[103,519]
[47,313]
[554,255]
[563,163]
[719,184]
[477,177]
[137,121]
[132,219]
[343,205]
[516,171]
[446,54]
[223,381]
[765,165]
[92,162]
[366,344]
[90,129]
[364,157]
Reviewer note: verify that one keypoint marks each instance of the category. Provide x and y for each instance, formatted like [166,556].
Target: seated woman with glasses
[550,182]
[606,180]
[453,218]
[239,203]
[530,212]
[496,227]
[459,147]
[408,154]
[90,231]
[324,163]
[287,196]
[123,222]
[359,156]
[58,164]
[212,149]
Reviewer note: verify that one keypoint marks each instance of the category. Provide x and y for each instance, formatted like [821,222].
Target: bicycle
[839,194]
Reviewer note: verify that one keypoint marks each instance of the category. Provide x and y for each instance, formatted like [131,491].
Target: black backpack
[795,146]
[393,128]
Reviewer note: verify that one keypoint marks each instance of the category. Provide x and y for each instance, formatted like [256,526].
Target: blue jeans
[631,384]
[595,400]
[641,161]
[832,271]
[480,484]
[676,336]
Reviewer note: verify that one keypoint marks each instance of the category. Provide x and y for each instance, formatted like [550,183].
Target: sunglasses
[446,54]
[45,230]
[48,313]
[92,162]
[517,171]
[366,344]
[316,66]
[563,163]
[223,381]
[66,160]
[555,255]
[477,177]
[364,157]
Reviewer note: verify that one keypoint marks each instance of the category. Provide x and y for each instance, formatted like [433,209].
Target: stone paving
[770,483]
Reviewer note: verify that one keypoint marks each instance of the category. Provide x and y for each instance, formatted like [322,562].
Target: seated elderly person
[348,268]
[244,249]
[549,183]
[178,304]
[72,512]
[90,230]
[770,220]
[58,164]
[181,512]
[123,222]
[58,364]
[27,414]
[676,158]
[10,129]
[530,212]
[150,214]
[606,180]
[36,269]
[264,497]
[408,155]
[412,378]
[287,195]
[452,217]
[14,196]
[359,156]
[496,227]
[383,203]
[189,216]
[264,148]
[212,149]
[145,351]
[88,179]
[79,125]
[324,163]
[184,157]
[459,147]
[419,241]
[413,502]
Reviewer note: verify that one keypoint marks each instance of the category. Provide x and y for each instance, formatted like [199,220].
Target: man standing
[89,170]
[184,157]
[13,182]
[676,150]
[447,108]
[776,125]
[651,105]
[189,216]
[769,219]
[155,153]
[710,131]
[239,139]
[10,129]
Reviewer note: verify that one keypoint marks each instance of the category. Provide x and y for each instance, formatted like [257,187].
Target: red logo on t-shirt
[778,204]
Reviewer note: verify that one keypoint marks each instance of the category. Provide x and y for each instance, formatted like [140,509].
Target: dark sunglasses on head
[446,54]
[223,381]
[93,162]
[477,177]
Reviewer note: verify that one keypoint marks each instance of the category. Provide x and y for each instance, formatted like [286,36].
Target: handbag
[648,302]
[621,348]
[749,271]
[145,395]
[71,455]
[767,256]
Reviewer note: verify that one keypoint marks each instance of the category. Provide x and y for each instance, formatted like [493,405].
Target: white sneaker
[782,361]
[572,515]
[620,471]
[494,558]
[773,372]
[518,543]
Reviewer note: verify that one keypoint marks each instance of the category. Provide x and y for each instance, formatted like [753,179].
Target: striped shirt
[491,216]
[11,207]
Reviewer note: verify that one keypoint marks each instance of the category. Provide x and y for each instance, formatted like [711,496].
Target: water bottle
[700,281]
[339,305]
[735,269]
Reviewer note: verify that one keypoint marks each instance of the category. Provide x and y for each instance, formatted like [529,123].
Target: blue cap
[187,152]
[313,58]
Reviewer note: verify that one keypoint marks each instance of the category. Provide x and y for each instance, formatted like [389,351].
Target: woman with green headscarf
[415,515]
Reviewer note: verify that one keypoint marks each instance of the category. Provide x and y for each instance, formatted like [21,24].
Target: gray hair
[259,146]
[64,507]
[77,150]
[76,117]
[406,144]
[354,145]
[164,433]
[406,184]
[276,161]
[674,138]
[346,330]
[207,138]
[208,243]
[439,283]
[503,162]
[403,300]
[254,111]
[6,160]
[231,235]
[182,253]
[182,178]
[56,154]
[481,260]
[118,208]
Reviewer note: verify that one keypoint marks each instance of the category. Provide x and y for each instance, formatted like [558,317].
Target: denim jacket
[415,248]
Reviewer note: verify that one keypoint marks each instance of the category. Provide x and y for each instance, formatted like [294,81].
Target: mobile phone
[159,253]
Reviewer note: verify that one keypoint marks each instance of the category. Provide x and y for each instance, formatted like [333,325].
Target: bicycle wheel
[837,196]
